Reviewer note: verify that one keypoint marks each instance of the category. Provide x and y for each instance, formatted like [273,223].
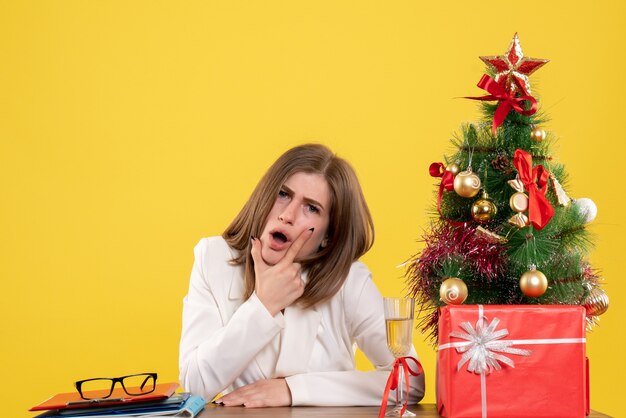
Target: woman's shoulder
[359,295]
[213,261]
[358,276]
[215,243]
[212,248]
[358,268]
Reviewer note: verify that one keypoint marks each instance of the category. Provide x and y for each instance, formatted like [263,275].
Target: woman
[278,302]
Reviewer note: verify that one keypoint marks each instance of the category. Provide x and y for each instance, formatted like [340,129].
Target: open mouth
[279,237]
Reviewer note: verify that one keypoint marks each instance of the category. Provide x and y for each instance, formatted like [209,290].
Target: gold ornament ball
[466,184]
[453,168]
[484,210]
[538,135]
[597,302]
[453,291]
[533,283]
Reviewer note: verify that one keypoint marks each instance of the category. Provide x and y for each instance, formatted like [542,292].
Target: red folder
[118,397]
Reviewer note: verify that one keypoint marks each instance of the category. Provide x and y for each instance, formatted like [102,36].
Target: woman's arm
[214,350]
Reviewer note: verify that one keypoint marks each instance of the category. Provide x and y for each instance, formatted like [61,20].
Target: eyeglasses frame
[78,384]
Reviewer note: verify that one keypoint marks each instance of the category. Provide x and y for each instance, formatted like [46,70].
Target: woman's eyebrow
[313,201]
[306,199]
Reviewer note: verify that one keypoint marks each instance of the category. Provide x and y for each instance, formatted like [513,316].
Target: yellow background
[130,129]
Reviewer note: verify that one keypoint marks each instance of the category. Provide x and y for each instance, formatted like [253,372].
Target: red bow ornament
[394,382]
[447,181]
[507,100]
[535,182]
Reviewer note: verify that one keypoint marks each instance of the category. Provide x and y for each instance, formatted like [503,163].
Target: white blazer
[228,342]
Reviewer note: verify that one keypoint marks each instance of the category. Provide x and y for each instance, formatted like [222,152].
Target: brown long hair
[350,229]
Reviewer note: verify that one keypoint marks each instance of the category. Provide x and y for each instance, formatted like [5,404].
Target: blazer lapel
[236,287]
[231,291]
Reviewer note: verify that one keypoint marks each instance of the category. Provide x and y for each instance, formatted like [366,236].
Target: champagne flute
[399,324]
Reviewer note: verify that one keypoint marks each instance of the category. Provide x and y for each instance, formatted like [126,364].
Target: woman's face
[302,203]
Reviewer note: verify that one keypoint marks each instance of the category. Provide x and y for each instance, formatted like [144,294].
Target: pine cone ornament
[502,163]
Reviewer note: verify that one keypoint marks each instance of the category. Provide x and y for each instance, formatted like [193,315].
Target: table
[421,410]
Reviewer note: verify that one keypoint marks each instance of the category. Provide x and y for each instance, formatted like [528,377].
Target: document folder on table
[71,400]
[178,405]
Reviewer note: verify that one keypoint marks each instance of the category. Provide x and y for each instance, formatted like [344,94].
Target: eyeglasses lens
[139,384]
[96,388]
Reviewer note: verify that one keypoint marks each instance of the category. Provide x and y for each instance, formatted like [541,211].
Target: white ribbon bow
[482,350]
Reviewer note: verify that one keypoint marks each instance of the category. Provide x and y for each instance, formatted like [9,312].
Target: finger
[294,270]
[242,395]
[255,252]
[234,398]
[297,245]
[232,404]
[232,401]
[254,404]
[299,288]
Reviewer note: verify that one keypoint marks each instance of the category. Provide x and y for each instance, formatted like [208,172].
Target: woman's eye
[313,209]
[283,194]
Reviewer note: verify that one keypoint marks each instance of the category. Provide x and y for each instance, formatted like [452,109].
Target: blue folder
[178,405]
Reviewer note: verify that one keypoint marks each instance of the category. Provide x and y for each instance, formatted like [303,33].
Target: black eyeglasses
[102,387]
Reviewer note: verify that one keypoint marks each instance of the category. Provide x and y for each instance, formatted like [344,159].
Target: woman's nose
[288,215]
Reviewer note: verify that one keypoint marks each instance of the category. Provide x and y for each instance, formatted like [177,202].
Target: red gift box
[512,361]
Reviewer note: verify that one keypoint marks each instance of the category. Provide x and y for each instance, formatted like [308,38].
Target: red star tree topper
[513,68]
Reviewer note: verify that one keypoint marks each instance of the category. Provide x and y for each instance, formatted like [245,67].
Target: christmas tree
[504,230]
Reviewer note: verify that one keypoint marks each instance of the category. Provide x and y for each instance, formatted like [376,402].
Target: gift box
[512,361]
